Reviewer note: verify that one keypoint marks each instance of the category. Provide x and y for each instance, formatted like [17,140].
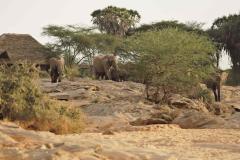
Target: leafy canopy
[226,32]
[174,59]
[79,44]
[190,26]
[114,20]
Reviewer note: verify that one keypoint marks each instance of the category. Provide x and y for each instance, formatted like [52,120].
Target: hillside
[122,125]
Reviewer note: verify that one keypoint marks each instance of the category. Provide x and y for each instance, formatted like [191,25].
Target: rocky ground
[121,124]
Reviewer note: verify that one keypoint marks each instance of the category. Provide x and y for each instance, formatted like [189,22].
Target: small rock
[149,121]
[108,132]
[60,96]
[98,149]
[49,145]
[43,147]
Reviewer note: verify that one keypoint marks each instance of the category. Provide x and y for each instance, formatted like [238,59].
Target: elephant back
[105,65]
[56,63]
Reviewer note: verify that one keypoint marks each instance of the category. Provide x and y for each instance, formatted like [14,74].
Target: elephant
[56,69]
[105,67]
[215,82]
[123,75]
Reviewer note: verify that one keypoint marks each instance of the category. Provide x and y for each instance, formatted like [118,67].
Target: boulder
[181,102]
[222,109]
[60,96]
[196,119]
[148,121]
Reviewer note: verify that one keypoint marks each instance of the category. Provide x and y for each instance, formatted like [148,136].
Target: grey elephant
[56,69]
[214,83]
[123,75]
[105,67]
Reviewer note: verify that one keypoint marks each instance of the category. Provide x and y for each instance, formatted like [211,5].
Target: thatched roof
[21,47]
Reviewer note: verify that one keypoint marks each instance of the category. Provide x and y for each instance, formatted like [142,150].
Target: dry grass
[72,72]
[60,118]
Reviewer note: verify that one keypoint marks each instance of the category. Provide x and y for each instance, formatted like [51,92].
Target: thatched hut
[15,48]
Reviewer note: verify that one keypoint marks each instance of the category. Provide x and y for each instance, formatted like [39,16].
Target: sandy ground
[110,107]
[156,142]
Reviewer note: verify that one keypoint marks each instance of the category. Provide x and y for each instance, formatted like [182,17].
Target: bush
[233,78]
[59,118]
[131,71]
[172,59]
[22,100]
[204,94]
[72,72]
[44,74]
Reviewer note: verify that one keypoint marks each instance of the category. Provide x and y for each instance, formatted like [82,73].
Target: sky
[30,16]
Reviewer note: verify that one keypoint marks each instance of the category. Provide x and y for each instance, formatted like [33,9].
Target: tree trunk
[235,75]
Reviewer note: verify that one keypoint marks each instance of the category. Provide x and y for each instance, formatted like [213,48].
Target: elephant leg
[105,77]
[107,73]
[101,76]
[59,78]
[218,94]
[97,76]
[146,90]
[52,76]
[46,68]
[52,80]
[215,94]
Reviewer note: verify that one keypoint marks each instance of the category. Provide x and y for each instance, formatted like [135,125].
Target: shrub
[72,72]
[22,100]
[204,94]
[85,73]
[59,118]
[233,78]
[44,74]
[172,59]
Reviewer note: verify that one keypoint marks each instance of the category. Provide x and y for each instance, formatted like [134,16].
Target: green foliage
[21,100]
[114,20]
[173,59]
[233,78]
[79,45]
[226,33]
[204,94]
[72,41]
[85,70]
[157,26]
[72,72]
[44,74]
[132,71]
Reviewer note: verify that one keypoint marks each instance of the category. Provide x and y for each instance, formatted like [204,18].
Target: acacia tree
[226,33]
[79,44]
[114,20]
[190,27]
[69,40]
[173,59]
